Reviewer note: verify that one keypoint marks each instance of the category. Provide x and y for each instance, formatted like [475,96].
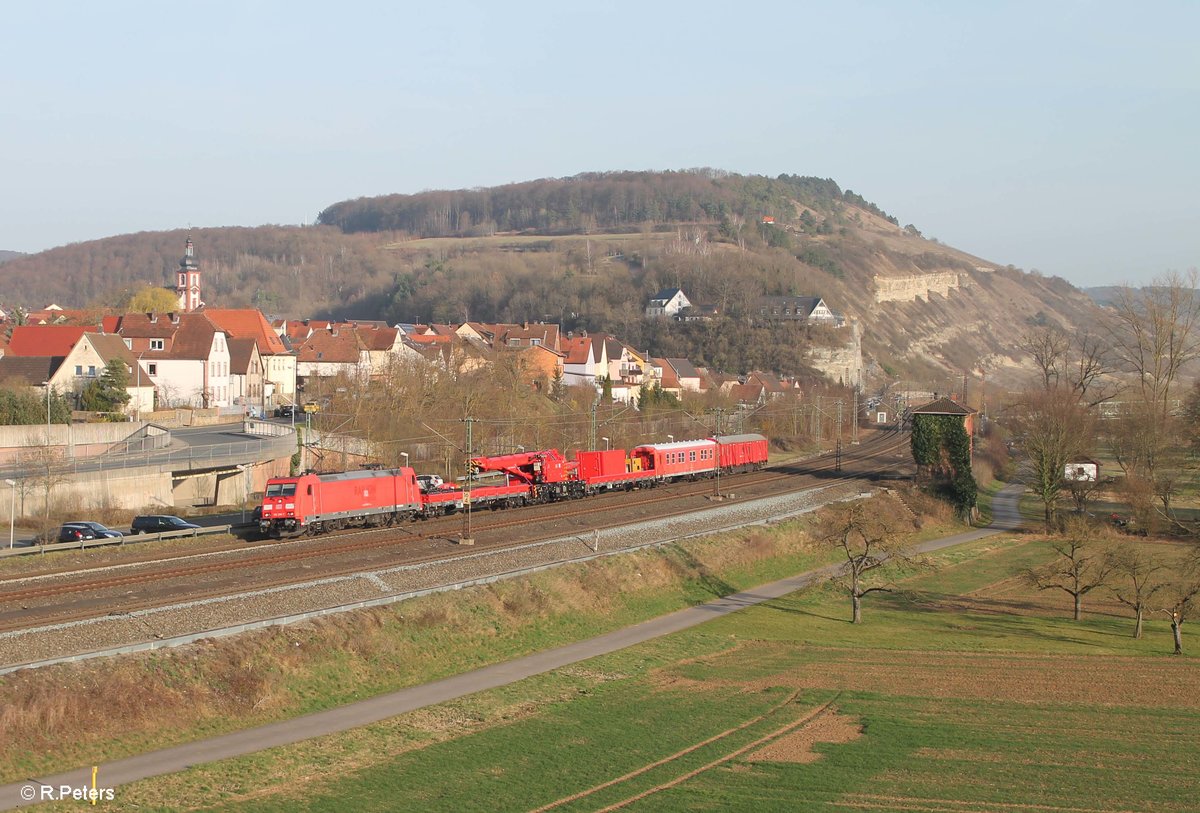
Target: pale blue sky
[1060,136]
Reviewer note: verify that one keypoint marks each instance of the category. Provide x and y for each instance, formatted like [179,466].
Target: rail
[82,544]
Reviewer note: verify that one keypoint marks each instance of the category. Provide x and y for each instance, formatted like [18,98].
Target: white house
[585,360]
[667,302]
[185,354]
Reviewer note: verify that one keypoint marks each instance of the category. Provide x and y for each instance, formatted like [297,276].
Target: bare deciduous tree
[1080,565]
[1054,427]
[1137,575]
[869,539]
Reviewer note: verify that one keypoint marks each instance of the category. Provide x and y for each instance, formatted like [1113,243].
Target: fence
[120,540]
[188,457]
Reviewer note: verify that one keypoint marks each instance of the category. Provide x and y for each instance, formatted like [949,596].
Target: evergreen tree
[109,392]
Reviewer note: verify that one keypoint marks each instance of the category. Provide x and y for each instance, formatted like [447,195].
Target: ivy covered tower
[187,281]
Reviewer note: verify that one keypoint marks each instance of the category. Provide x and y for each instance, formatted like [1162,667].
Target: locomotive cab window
[283,490]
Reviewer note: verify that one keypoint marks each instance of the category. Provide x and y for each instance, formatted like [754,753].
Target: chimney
[174,318]
[153,318]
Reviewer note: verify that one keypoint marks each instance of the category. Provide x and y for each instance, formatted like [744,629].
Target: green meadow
[961,691]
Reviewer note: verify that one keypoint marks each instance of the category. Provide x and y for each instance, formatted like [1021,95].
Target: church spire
[187,284]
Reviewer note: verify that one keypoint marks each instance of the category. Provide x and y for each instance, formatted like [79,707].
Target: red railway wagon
[315,503]
[609,469]
[681,458]
[741,452]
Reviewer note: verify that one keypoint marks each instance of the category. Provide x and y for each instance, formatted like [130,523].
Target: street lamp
[606,443]
[405,456]
[12,513]
[670,438]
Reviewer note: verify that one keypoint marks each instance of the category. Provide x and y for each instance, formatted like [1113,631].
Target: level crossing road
[1006,517]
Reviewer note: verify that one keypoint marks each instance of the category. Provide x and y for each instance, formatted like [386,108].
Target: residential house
[665,376]
[685,373]
[385,347]
[810,309]
[277,358]
[247,376]
[185,354]
[71,357]
[585,360]
[333,352]
[667,302]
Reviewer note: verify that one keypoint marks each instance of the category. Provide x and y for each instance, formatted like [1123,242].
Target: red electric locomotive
[313,503]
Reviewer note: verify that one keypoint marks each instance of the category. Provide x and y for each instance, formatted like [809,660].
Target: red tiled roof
[577,350]
[247,323]
[193,338]
[429,339]
[669,379]
[378,338]
[46,340]
[328,347]
[148,325]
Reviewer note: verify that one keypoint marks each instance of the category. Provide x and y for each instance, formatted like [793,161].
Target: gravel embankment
[215,616]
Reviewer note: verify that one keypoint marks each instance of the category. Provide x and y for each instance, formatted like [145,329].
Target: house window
[152,368]
[156,344]
[91,371]
[129,343]
[535,342]
[514,342]
[79,369]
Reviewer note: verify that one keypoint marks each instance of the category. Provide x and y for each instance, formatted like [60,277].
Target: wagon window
[691,456]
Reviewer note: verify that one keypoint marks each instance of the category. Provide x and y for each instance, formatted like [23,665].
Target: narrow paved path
[365,712]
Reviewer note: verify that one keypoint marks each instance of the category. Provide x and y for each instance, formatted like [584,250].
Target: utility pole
[592,436]
[465,537]
[717,452]
[837,456]
[854,422]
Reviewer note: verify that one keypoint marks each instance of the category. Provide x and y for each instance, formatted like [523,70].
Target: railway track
[343,553]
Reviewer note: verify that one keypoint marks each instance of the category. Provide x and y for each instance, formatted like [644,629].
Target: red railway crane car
[314,503]
[546,472]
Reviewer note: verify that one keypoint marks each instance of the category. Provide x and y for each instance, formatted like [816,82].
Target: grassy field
[962,692]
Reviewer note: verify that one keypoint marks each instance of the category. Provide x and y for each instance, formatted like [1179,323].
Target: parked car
[75,531]
[158,523]
[429,482]
[312,406]
[286,411]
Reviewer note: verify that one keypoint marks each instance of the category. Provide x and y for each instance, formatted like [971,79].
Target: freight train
[316,503]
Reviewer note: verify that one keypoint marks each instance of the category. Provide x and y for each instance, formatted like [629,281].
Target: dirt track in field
[1098,680]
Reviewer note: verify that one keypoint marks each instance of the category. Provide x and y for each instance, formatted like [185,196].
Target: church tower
[187,284]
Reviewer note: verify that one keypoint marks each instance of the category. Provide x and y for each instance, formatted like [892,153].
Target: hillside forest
[585,252]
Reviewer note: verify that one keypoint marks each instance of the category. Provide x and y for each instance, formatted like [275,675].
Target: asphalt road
[178,758]
[198,445]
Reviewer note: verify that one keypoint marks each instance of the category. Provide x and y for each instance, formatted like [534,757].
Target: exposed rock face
[917,286]
[842,364]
